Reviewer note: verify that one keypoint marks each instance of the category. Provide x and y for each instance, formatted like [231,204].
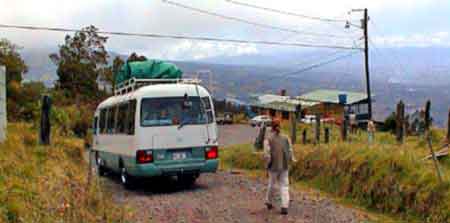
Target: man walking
[278,153]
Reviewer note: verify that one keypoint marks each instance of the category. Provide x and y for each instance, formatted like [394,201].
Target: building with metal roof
[332,96]
[277,105]
[335,103]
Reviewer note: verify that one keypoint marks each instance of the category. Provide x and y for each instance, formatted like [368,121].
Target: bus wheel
[125,179]
[101,170]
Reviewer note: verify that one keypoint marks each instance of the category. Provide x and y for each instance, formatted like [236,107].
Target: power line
[286,12]
[304,69]
[288,74]
[236,19]
[182,37]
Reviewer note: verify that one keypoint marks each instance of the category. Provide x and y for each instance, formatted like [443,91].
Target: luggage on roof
[149,69]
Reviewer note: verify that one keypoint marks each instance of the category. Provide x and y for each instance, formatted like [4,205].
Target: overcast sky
[394,23]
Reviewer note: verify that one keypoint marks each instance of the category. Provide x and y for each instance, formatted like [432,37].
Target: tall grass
[50,183]
[385,176]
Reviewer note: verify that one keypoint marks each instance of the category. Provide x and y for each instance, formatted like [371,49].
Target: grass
[50,183]
[386,177]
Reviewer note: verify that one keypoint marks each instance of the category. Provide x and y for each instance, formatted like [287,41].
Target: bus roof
[158,91]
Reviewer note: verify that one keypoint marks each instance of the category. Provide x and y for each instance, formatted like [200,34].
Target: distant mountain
[412,65]
[411,74]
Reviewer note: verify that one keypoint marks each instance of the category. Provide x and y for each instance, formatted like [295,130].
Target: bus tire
[101,170]
[126,180]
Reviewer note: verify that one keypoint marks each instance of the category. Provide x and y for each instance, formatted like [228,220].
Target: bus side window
[208,110]
[110,124]
[102,121]
[131,117]
[122,118]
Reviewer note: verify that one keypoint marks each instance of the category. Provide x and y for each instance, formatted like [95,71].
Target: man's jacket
[278,152]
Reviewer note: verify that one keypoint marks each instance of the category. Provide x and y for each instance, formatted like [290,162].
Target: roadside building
[277,106]
[333,103]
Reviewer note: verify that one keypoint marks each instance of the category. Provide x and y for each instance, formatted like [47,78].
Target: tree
[117,64]
[11,59]
[81,60]
[135,57]
[15,68]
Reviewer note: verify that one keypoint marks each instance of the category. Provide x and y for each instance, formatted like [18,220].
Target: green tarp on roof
[149,69]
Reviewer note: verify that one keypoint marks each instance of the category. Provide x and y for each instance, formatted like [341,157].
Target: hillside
[417,74]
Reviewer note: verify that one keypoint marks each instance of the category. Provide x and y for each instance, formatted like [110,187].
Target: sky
[394,23]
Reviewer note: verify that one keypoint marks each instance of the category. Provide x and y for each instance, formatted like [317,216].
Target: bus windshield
[171,111]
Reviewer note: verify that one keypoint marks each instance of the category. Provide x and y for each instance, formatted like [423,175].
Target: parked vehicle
[309,119]
[157,130]
[260,120]
[226,118]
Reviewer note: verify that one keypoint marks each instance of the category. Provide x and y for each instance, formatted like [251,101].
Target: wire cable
[285,12]
[288,74]
[178,37]
[236,19]
[283,76]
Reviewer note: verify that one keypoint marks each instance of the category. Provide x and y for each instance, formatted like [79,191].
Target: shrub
[50,184]
[390,123]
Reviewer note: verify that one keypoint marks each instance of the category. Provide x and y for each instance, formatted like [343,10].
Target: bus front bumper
[153,170]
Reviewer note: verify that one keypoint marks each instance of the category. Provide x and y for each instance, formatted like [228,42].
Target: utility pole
[366,60]
[364,26]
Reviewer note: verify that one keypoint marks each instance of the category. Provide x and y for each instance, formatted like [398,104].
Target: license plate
[179,156]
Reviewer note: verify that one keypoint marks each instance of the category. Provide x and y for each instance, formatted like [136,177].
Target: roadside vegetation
[385,176]
[51,183]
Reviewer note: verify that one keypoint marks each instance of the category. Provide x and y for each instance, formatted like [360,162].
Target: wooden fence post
[45,127]
[428,138]
[304,137]
[327,135]
[435,161]
[428,115]
[400,121]
[294,120]
[344,129]
[317,129]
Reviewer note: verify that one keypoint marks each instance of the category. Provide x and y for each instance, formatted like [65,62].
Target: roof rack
[133,84]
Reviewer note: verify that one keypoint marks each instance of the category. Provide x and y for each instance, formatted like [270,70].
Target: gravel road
[224,197]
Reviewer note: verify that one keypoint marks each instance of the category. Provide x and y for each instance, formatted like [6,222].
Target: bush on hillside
[390,123]
[50,184]
[23,101]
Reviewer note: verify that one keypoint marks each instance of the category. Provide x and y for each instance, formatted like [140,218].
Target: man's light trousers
[282,179]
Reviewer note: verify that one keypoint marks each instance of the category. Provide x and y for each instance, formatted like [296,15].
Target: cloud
[419,39]
[154,16]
